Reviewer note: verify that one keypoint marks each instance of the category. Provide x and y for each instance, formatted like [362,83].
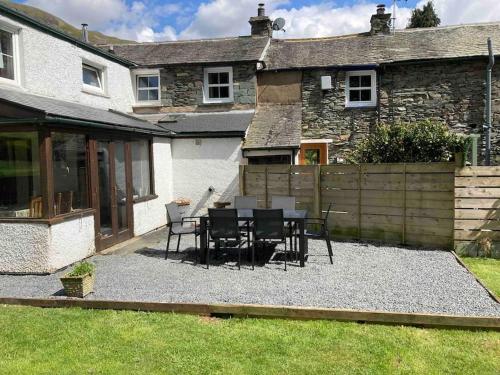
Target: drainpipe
[487,126]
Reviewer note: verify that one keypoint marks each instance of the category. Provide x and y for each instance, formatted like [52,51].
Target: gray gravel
[363,276]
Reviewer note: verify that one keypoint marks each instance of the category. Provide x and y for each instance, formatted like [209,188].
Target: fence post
[403,235]
[265,188]
[242,180]
[359,201]
[316,190]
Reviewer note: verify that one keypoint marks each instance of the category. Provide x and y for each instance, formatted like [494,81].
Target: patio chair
[268,226]
[246,201]
[286,202]
[177,226]
[322,233]
[223,226]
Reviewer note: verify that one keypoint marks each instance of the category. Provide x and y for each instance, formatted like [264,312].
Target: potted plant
[80,281]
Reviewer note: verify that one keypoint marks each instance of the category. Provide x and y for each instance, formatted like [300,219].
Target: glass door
[114,203]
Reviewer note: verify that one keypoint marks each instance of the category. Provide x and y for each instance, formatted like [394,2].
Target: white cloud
[326,20]
[97,13]
[220,18]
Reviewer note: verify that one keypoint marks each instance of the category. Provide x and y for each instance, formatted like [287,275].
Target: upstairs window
[148,88]
[7,55]
[361,88]
[92,78]
[218,85]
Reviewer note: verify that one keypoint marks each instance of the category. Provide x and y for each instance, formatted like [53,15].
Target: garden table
[296,216]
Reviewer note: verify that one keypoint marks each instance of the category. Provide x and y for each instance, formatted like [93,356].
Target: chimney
[380,22]
[85,33]
[261,25]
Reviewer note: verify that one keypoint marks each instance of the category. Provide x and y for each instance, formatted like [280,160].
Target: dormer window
[218,85]
[92,77]
[360,88]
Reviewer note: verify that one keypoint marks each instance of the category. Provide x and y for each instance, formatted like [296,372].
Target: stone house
[344,85]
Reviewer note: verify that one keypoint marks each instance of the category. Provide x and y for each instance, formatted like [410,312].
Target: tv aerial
[279,24]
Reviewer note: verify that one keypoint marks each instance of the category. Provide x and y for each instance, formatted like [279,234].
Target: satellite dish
[278,24]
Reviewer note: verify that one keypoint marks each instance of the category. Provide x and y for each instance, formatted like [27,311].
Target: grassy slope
[488,270]
[34,340]
[55,22]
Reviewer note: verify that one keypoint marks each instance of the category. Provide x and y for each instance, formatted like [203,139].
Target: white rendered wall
[40,248]
[71,241]
[151,214]
[52,67]
[24,248]
[197,167]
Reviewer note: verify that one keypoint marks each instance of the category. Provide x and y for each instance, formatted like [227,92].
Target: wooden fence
[477,214]
[409,204]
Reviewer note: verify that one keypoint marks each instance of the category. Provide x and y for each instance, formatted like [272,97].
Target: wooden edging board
[267,311]
[492,295]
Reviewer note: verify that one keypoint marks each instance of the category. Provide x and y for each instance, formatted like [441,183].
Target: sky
[159,20]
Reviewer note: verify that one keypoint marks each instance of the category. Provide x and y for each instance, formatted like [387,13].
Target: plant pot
[78,286]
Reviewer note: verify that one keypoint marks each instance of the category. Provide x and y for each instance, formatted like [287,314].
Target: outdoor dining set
[244,224]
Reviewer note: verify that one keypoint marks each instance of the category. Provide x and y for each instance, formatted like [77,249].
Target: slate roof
[204,124]
[364,49]
[243,48]
[51,108]
[275,126]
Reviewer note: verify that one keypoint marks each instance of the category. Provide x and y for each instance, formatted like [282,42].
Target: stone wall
[452,92]
[182,87]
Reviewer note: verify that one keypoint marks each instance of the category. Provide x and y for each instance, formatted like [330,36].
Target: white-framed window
[148,87]
[218,85]
[93,78]
[9,56]
[361,88]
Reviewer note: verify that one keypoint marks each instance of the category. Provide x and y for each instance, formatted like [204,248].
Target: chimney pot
[381,9]
[261,11]
[85,32]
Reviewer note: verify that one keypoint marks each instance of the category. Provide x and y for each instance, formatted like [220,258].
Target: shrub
[424,141]
[82,269]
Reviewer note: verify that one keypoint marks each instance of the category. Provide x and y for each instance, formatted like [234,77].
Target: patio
[363,277]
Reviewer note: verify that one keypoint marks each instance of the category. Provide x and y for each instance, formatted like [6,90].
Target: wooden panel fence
[477,214]
[423,204]
[398,203]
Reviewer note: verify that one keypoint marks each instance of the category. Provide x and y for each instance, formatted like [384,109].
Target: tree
[425,17]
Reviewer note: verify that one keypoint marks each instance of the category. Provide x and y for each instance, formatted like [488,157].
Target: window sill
[54,220]
[95,93]
[218,103]
[152,104]
[363,106]
[146,198]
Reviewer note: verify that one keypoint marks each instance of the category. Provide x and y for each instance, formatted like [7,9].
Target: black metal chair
[223,226]
[321,233]
[286,202]
[268,226]
[177,226]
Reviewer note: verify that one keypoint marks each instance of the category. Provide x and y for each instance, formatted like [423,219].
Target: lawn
[488,270]
[35,340]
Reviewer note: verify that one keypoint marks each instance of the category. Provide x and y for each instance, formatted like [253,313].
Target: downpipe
[488,114]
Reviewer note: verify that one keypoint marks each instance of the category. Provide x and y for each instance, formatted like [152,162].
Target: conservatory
[70,176]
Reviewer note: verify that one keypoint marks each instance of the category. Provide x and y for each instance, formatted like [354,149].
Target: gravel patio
[363,276]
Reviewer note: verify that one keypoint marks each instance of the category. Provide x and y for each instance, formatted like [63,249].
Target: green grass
[75,341]
[487,270]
